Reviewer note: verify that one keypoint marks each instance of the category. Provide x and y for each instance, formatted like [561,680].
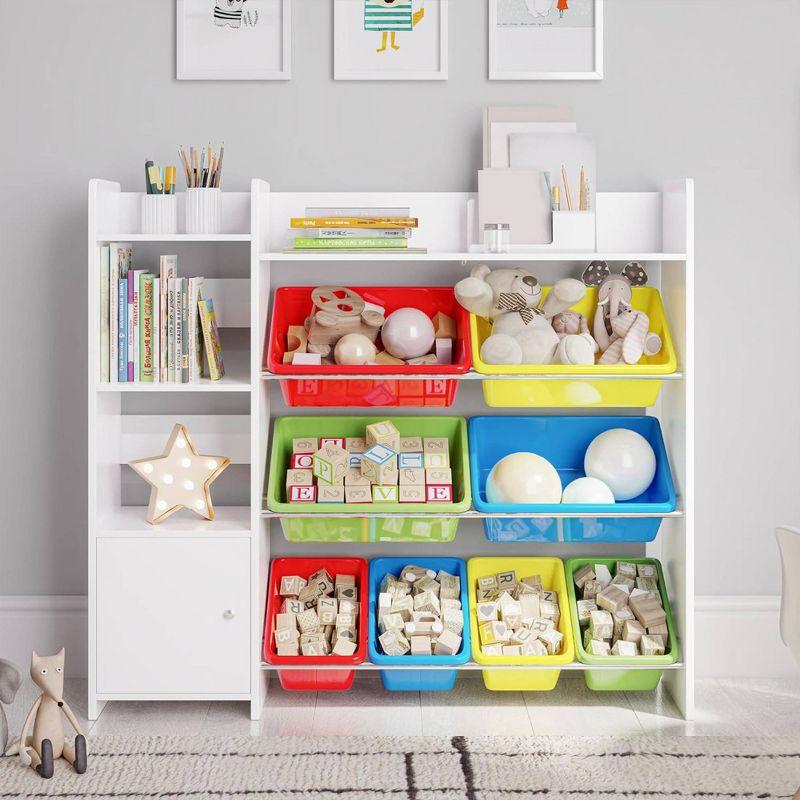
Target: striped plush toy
[390,16]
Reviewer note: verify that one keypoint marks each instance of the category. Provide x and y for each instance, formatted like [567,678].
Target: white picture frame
[355,57]
[518,54]
[256,35]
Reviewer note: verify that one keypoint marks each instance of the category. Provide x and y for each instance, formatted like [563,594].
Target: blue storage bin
[563,441]
[416,680]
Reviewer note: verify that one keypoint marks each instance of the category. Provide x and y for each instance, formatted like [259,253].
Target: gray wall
[702,88]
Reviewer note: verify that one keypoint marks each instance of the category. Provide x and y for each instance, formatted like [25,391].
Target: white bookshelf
[223,636]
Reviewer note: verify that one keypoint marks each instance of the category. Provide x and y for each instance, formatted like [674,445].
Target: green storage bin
[624,680]
[359,528]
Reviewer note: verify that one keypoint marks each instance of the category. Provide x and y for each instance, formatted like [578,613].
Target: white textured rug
[421,768]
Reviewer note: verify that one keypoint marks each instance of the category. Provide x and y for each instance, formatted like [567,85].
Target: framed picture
[390,40]
[545,40]
[234,40]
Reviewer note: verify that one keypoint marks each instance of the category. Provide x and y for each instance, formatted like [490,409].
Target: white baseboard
[739,637]
[44,623]
[47,623]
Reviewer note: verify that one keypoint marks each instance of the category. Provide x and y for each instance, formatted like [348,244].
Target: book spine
[168,266]
[369,213]
[178,340]
[354,222]
[358,233]
[211,340]
[146,329]
[105,310]
[185,329]
[113,318]
[195,335]
[122,328]
[129,318]
[137,326]
[171,331]
[332,244]
[156,330]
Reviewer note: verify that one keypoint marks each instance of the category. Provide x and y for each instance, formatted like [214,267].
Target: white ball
[523,478]
[354,349]
[623,460]
[408,333]
[587,490]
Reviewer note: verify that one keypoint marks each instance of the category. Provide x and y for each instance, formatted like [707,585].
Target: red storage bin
[311,679]
[293,304]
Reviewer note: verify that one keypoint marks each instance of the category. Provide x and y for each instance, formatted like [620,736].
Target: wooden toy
[384,494]
[292,585]
[357,494]
[297,342]
[647,610]
[598,647]
[299,477]
[448,644]
[612,598]
[627,569]
[379,464]
[585,608]
[343,647]
[439,494]
[355,445]
[423,360]
[651,645]
[432,460]
[623,648]
[602,574]
[444,326]
[410,444]
[337,440]
[291,606]
[582,575]
[659,630]
[305,445]
[330,493]
[601,625]
[384,433]
[302,494]
[330,463]
[420,645]
[393,643]
[354,477]
[411,494]
[389,621]
[355,349]
[439,476]
[385,359]
[647,571]
[410,461]
[307,359]
[408,333]
[632,631]
[412,477]
[302,461]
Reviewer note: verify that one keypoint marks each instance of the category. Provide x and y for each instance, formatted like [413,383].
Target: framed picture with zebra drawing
[230,40]
[390,40]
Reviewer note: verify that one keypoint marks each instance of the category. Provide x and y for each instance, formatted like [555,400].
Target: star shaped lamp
[181,477]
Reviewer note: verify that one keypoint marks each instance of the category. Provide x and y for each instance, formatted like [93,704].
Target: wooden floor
[725,707]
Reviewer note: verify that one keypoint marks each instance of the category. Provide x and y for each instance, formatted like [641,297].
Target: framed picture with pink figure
[545,40]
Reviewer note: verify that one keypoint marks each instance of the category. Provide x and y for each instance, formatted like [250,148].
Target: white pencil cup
[203,210]
[159,213]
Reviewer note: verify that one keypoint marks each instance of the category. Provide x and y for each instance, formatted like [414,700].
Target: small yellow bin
[583,393]
[551,571]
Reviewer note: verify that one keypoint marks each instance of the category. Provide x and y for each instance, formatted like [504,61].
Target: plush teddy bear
[522,332]
[622,333]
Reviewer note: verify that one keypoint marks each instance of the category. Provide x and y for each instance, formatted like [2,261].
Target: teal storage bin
[412,680]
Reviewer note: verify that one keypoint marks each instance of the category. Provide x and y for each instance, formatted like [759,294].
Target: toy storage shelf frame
[652,227]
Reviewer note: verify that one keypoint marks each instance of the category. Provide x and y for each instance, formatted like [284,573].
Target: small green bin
[623,680]
[428,528]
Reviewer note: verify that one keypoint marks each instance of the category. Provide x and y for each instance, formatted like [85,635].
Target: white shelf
[467,257]
[173,237]
[131,521]
[574,666]
[472,514]
[472,376]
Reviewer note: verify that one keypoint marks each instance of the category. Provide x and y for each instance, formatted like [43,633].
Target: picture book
[146,328]
[380,213]
[122,330]
[194,330]
[156,330]
[105,310]
[303,243]
[354,222]
[208,320]
[168,266]
[185,314]
[120,260]
[357,233]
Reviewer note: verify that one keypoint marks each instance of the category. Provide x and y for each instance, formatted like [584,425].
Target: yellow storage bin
[533,680]
[568,393]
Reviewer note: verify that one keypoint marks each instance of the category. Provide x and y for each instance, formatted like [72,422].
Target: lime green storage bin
[623,680]
[355,527]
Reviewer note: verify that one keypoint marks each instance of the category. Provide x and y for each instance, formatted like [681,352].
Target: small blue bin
[563,441]
[417,680]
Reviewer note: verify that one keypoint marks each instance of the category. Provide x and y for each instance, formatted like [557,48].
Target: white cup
[159,213]
[203,207]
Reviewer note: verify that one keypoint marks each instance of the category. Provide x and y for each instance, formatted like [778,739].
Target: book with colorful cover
[185,344]
[121,257]
[373,212]
[177,342]
[122,330]
[213,347]
[195,333]
[105,311]
[146,328]
[354,222]
[168,268]
[357,233]
[134,327]
[303,243]
[170,344]
[156,330]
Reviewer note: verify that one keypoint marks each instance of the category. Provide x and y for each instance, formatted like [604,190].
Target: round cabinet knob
[228,613]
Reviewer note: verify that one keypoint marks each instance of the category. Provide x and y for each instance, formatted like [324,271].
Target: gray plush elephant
[10,681]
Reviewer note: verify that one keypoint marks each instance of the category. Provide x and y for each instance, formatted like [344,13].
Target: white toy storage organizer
[176,611]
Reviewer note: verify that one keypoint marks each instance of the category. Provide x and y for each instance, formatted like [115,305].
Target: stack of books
[154,328]
[355,230]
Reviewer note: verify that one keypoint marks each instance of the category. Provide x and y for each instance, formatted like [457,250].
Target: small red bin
[293,304]
[316,679]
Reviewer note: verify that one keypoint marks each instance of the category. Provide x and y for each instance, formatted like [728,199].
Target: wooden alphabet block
[330,462]
[530,608]
[338,441]
[426,584]
[379,464]
[347,621]
[384,494]
[511,613]
[522,635]
[622,616]
[292,585]
[427,601]
[660,630]
[651,645]
[354,461]
[612,598]
[438,494]
[403,606]
[493,632]
[308,621]
[302,494]
[451,586]
[411,494]
[290,649]
[354,477]
[286,622]
[286,636]
[355,445]
[384,433]
[627,569]
[420,645]
[453,620]
[412,477]
[306,445]
[342,579]
[291,606]
[622,580]
[598,647]
[348,606]
[410,444]
[389,621]
[580,576]
[488,582]
[299,477]
[346,593]
[602,574]
[487,612]
[506,581]
[585,608]
[357,494]
[330,494]
[512,650]
[436,460]
[647,571]
[531,584]
[623,648]
[647,610]
[304,461]
[541,625]
[343,647]
[393,643]
[410,461]
[444,326]
[591,589]
[647,584]
[448,643]
[601,624]
[497,649]
[552,640]
[435,445]
[312,648]
[327,608]
[534,647]
[439,476]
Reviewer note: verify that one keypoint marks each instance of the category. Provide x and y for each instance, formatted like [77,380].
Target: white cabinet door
[173,616]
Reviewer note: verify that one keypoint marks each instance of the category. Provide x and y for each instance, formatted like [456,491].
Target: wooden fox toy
[48,742]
